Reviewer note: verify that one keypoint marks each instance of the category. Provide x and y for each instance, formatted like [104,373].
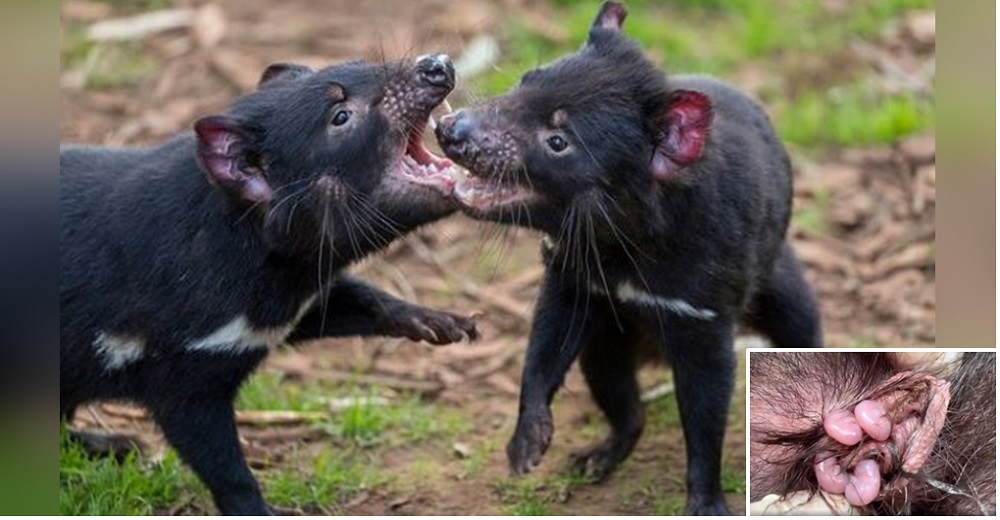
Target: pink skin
[915,437]
[861,486]
[843,427]
[922,442]
[848,428]
[873,420]
[864,485]
[829,474]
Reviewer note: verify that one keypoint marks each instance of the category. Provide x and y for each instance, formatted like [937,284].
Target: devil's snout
[453,133]
[436,70]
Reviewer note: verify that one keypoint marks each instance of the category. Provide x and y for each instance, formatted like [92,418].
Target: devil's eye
[556,143]
[341,117]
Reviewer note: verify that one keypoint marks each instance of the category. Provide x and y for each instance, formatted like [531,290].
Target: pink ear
[223,146]
[611,16]
[684,128]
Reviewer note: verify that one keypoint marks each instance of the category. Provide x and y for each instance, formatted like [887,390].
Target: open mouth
[421,166]
[483,195]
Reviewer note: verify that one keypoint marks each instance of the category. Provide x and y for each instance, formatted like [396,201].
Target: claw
[426,331]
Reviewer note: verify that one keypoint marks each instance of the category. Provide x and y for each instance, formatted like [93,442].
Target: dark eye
[341,117]
[556,143]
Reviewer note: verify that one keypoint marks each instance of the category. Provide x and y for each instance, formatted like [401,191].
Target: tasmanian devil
[888,439]
[666,202]
[182,264]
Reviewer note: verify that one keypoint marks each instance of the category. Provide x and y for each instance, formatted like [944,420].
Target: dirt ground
[871,262]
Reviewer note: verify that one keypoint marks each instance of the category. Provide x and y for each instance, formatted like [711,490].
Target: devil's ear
[610,17]
[683,130]
[225,153]
[282,71]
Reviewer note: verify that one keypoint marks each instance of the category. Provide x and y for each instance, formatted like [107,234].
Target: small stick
[273,417]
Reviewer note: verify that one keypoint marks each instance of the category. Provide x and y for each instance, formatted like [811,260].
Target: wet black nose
[436,70]
[453,132]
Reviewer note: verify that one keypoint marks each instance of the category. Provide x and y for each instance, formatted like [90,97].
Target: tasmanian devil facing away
[666,200]
[182,264]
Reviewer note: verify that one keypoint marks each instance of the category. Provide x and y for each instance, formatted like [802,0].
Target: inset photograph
[872,432]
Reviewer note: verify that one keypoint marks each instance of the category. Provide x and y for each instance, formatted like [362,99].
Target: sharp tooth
[431,122]
[446,105]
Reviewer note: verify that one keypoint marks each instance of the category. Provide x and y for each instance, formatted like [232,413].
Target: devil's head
[323,155]
[598,123]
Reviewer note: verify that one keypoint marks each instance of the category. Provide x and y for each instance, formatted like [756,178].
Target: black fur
[676,186]
[151,251]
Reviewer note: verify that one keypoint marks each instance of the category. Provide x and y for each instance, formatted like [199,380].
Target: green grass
[89,486]
[663,413]
[863,343]
[522,497]
[412,420]
[836,107]
[132,6]
[406,419]
[812,218]
[476,460]
[733,480]
[266,390]
[671,504]
[533,495]
[851,115]
[530,507]
[313,483]
[333,476]
[871,17]
[104,65]
[645,490]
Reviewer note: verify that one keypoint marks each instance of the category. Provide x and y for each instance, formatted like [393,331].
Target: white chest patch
[118,351]
[238,336]
[625,292]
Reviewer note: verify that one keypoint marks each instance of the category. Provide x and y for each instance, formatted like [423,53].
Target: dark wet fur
[150,248]
[712,236]
[959,477]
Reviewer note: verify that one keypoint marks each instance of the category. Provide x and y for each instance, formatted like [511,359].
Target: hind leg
[704,364]
[785,309]
[202,428]
[608,361]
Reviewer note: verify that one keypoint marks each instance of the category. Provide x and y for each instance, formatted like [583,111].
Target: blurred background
[387,426]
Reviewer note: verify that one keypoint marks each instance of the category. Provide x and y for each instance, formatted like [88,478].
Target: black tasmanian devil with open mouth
[666,200]
[181,265]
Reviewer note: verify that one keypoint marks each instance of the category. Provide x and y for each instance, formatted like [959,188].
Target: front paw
[530,441]
[435,327]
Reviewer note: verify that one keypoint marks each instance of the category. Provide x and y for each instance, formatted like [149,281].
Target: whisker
[283,201]
[365,226]
[592,239]
[319,263]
